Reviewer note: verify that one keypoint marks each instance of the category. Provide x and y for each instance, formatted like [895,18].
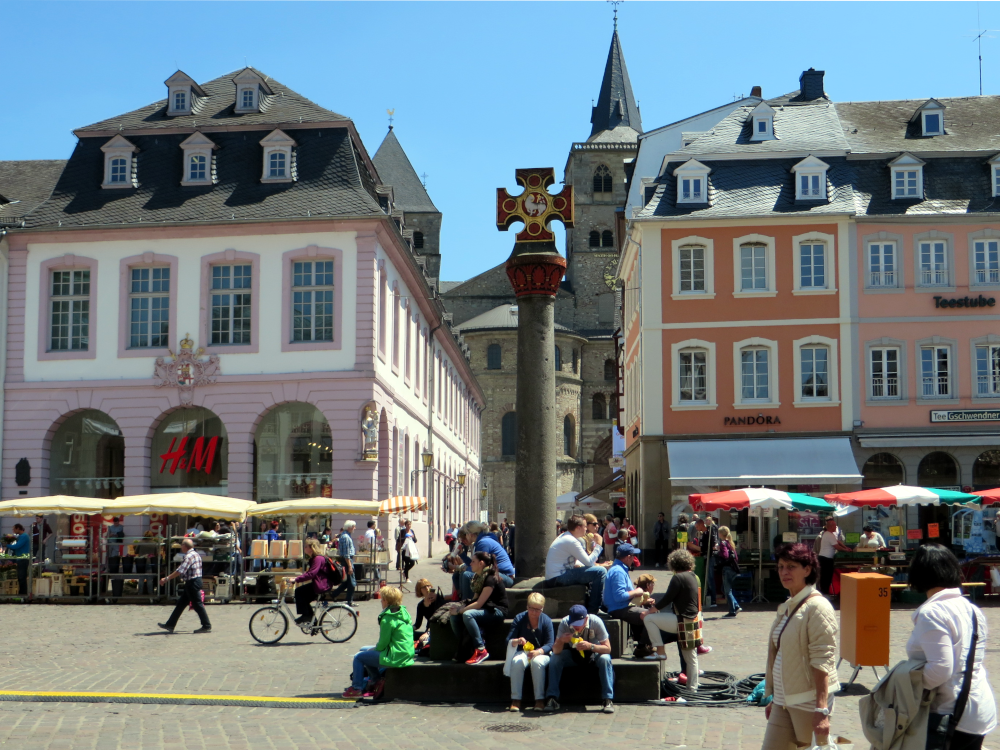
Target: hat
[577,615]
[624,550]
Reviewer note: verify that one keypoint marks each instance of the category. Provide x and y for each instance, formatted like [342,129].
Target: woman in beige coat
[801,673]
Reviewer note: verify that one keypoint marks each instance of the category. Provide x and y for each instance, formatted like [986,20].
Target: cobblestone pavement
[120,649]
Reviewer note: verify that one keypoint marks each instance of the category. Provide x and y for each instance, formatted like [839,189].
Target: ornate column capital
[536,273]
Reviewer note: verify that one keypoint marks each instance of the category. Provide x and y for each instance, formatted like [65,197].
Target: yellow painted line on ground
[168,696]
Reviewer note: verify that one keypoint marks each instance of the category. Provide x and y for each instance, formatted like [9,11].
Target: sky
[478,88]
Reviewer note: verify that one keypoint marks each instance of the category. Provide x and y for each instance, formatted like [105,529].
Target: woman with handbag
[801,674]
[729,562]
[408,548]
[949,635]
[684,619]
[314,581]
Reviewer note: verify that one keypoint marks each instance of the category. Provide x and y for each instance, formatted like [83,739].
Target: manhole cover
[510,728]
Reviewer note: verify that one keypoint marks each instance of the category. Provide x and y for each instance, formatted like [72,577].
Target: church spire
[615,104]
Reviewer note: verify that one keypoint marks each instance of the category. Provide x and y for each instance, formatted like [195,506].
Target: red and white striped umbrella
[901,495]
[401,504]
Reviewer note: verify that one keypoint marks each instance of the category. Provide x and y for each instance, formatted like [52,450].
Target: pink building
[221,295]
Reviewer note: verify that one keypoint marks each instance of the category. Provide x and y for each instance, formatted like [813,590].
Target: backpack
[335,572]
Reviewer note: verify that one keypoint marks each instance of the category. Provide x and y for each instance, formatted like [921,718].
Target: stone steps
[444,643]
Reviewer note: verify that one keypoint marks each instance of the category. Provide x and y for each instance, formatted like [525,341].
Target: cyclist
[315,579]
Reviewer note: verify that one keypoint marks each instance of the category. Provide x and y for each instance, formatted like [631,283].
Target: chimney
[811,84]
[755,91]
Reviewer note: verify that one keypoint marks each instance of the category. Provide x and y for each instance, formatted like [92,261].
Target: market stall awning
[989,497]
[180,503]
[901,495]
[311,505]
[63,504]
[402,504]
[611,483]
[738,463]
[757,497]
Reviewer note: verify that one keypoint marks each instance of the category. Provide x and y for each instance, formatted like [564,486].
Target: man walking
[398,538]
[345,549]
[709,549]
[661,531]
[189,571]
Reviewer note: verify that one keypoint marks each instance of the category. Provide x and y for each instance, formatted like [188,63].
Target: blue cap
[577,615]
[625,550]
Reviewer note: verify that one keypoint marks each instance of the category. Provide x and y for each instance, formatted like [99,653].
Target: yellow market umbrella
[181,504]
[63,504]
[309,505]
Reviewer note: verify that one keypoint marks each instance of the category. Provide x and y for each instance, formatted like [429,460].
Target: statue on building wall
[369,428]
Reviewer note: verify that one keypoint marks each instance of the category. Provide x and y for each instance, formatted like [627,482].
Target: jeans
[558,662]
[667,622]
[537,666]
[190,594]
[463,583]
[348,585]
[592,576]
[825,574]
[633,616]
[365,666]
[407,567]
[474,619]
[728,576]
[660,554]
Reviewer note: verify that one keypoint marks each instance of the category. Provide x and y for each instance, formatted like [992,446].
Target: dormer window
[279,163]
[249,87]
[247,99]
[995,175]
[119,163]
[931,114]
[762,123]
[180,101]
[199,166]
[907,177]
[692,182]
[810,179]
[182,94]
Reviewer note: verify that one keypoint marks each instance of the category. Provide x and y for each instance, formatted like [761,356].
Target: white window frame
[923,121]
[883,238]
[692,170]
[254,95]
[198,145]
[762,113]
[907,163]
[934,237]
[675,376]
[833,372]
[151,297]
[119,148]
[751,239]
[829,263]
[936,343]
[186,93]
[902,383]
[772,401]
[675,251]
[989,342]
[995,176]
[249,79]
[991,278]
[810,168]
[278,142]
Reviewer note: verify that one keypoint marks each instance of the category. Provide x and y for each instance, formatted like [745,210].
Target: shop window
[986,470]
[508,434]
[190,453]
[882,470]
[87,457]
[294,453]
[937,469]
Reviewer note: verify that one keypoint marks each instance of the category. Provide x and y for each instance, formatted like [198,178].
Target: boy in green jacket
[394,647]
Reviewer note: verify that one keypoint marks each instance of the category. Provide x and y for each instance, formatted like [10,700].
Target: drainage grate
[504,728]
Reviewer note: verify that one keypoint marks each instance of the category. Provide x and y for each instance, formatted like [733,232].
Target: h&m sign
[200,457]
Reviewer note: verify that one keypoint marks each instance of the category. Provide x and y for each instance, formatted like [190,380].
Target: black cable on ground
[714,689]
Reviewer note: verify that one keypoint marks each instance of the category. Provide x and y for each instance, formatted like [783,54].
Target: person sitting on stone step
[477,538]
[533,633]
[581,640]
[568,564]
[618,593]
[488,604]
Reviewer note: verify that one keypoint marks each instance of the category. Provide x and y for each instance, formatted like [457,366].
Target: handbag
[941,727]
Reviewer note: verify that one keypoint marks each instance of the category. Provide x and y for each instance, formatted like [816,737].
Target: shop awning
[307,506]
[614,482]
[402,504]
[739,463]
[901,496]
[62,504]
[180,503]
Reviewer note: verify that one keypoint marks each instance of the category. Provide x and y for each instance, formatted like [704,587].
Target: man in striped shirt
[189,571]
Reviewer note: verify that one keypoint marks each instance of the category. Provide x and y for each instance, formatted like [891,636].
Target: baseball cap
[577,615]
[626,549]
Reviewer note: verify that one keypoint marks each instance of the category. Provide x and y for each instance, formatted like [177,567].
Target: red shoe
[682,679]
[353,692]
[375,689]
[702,650]
[480,655]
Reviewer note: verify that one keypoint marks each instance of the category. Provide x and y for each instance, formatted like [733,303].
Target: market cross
[536,207]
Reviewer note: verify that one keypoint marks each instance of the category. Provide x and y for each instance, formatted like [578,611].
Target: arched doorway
[87,457]
[294,454]
[986,470]
[882,470]
[190,453]
[938,469]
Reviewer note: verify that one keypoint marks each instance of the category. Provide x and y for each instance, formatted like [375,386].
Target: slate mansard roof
[857,141]
[24,185]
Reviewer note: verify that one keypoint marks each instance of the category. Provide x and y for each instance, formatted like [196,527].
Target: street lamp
[428,459]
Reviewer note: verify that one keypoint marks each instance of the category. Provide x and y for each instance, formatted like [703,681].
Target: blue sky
[479,88]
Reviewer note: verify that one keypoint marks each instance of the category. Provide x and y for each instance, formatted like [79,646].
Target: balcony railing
[988,385]
[885,387]
[987,276]
[882,278]
[936,386]
[933,278]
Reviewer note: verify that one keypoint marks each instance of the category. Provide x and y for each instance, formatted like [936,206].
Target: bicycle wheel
[268,625]
[338,624]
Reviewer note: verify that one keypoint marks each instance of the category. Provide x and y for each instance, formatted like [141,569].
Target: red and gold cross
[536,207]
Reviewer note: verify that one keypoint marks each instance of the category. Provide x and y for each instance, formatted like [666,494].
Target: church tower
[596,169]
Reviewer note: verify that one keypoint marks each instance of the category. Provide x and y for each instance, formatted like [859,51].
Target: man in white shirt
[829,541]
[370,535]
[561,563]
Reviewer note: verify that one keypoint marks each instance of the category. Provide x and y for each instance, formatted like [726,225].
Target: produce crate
[41,587]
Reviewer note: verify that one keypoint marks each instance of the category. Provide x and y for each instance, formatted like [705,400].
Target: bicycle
[337,622]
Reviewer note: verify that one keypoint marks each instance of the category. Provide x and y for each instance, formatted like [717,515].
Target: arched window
[493,357]
[418,240]
[508,434]
[294,453]
[190,453]
[599,404]
[87,457]
[609,369]
[602,180]
[595,239]
[986,470]
[607,238]
[574,361]
[558,360]
[569,435]
[882,470]
[937,469]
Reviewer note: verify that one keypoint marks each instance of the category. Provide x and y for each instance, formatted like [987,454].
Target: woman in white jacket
[942,637]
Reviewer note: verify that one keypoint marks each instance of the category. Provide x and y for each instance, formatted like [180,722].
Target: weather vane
[615,4]
[391,112]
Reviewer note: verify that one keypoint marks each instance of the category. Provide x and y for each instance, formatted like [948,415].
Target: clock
[609,273]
